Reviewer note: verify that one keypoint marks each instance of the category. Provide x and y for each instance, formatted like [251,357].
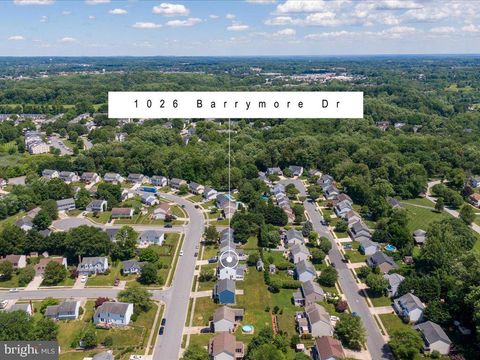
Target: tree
[195,352]
[111,193]
[467,214]
[328,276]
[350,331]
[341,226]
[307,228]
[125,245]
[205,275]
[376,283]
[138,296]
[341,306]
[317,255]
[25,275]
[266,352]
[149,274]
[100,300]
[439,205]
[211,234]
[149,255]
[16,326]
[6,270]
[45,330]
[42,220]
[89,337]
[325,244]
[406,344]
[54,273]
[183,190]
[363,272]
[87,241]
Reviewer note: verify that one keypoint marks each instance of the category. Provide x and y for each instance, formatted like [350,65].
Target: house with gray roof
[299,252]
[176,183]
[135,178]
[309,292]
[104,355]
[97,206]
[330,192]
[394,281]
[225,318]
[155,237]
[384,262]
[49,174]
[296,170]
[90,178]
[224,291]
[293,237]
[419,236]
[342,208]
[274,171]
[149,199]
[409,307]
[209,194]
[368,247]
[68,176]
[66,310]
[359,231]
[224,346]
[93,265]
[318,320]
[159,180]
[325,179]
[434,337]
[195,188]
[113,178]
[27,307]
[132,267]
[305,271]
[113,314]
[66,204]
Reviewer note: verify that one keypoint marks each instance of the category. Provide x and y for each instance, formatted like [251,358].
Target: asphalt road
[57,143]
[176,298]
[376,344]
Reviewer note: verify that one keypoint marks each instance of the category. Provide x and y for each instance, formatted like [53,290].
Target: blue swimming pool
[390,247]
[247,328]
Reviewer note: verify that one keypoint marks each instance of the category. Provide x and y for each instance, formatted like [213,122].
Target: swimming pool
[247,328]
[390,247]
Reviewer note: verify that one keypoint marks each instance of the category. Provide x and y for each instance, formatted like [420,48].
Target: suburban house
[17,261]
[327,348]
[359,231]
[42,264]
[305,271]
[25,223]
[161,211]
[120,136]
[195,188]
[49,174]
[221,200]
[113,313]
[112,233]
[22,307]
[296,170]
[409,307]
[227,234]
[342,208]
[474,199]
[159,180]
[225,318]
[119,213]
[229,209]
[343,197]
[278,189]
[93,265]
[274,171]
[176,183]
[309,292]
[135,178]
[434,337]
[330,192]
[351,217]
[419,236]
[66,204]
[475,182]
[384,262]
[224,346]
[209,194]
[325,179]
[368,247]
[90,178]
[66,310]
[149,199]
[132,267]
[293,237]
[113,178]
[394,280]
[299,252]
[318,320]
[151,237]
[68,176]
[97,206]
[394,203]
[224,291]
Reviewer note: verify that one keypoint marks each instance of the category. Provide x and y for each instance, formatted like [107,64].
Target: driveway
[35,283]
[376,344]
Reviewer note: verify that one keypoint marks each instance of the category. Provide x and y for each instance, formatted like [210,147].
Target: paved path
[199,294]
[35,283]
[376,344]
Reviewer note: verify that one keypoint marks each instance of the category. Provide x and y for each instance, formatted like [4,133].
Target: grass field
[420,218]
[379,300]
[204,309]
[102,217]
[105,280]
[419,201]
[11,283]
[392,322]
[354,255]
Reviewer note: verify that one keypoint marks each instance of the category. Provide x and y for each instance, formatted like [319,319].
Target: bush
[341,306]
[328,277]
[108,341]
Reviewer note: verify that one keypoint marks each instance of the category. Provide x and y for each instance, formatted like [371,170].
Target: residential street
[375,341]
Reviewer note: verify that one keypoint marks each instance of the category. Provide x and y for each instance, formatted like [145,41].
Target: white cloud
[91,17]
[286,32]
[16,38]
[305,6]
[261,2]
[230,16]
[169,9]
[283,20]
[43,19]
[66,13]
[237,27]
[118,11]
[442,30]
[394,32]
[471,28]
[33,2]
[397,5]
[213,16]
[332,34]
[146,25]
[187,22]
[96,2]
[68,39]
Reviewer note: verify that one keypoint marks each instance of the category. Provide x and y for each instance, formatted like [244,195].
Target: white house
[225,318]
[149,199]
[409,307]
[66,310]
[434,337]
[161,212]
[159,180]
[97,206]
[155,237]
[93,265]
[305,271]
[299,252]
[113,313]
[209,194]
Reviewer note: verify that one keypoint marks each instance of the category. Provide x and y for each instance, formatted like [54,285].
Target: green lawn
[419,201]
[379,300]
[196,198]
[354,255]
[68,281]
[11,283]
[276,257]
[204,309]
[11,219]
[178,211]
[209,251]
[392,322]
[420,218]
[251,244]
[105,280]
[102,217]
[201,339]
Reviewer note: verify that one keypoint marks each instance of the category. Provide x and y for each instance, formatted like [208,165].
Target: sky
[238,27]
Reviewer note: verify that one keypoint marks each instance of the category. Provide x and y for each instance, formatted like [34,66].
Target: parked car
[13,290]
[161,331]
[213,260]
[181,252]
[164,321]
[196,206]
[196,254]
[168,226]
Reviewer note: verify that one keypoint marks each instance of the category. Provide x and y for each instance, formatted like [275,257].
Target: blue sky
[241,27]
